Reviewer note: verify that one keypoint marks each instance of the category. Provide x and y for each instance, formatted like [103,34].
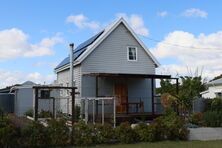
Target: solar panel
[80,49]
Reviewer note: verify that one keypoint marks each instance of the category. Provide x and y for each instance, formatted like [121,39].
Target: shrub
[170,127]
[1,113]
[145,132]
[216,104]
[125,134]
[103,133]
[58,132]
[213,118]
[9,134]
[35,135]
[45,114]
[207,104]
[29,113]
[83,134]
[197,119]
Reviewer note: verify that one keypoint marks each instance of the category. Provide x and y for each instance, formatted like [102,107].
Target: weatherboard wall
[63,78]
[111,56]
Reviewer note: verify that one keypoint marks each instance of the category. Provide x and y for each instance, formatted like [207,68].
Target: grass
[168,144]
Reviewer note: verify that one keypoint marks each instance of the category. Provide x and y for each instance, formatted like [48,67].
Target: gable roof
[84,49]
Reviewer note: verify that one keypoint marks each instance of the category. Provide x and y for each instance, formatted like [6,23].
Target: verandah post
[73,113]
[73,106]
[152,94]
[97,94]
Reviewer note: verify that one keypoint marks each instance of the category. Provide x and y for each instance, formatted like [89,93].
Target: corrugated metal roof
[80,49]
[215,82]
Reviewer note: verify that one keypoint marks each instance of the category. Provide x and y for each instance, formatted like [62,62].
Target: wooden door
[121,93]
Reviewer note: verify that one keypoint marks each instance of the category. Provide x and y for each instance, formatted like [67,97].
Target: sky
[185,36]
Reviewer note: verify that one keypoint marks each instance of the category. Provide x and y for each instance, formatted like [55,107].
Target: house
[115,62]
[214,89]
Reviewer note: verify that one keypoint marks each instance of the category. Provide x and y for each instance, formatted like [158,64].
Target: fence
[91,107]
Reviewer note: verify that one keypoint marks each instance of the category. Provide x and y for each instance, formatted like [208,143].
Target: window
[132,53]
[45,94]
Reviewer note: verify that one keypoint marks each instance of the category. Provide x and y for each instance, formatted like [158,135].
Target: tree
[189,89]
[166,87]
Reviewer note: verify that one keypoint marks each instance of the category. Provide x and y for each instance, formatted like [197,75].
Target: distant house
[115,62]
[214,89]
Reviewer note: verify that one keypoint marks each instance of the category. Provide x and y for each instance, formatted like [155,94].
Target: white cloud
[14,43]
[8,78]
[194,12]
[162,13]
[136,22]
[45,64]
[191,52]
[81,21]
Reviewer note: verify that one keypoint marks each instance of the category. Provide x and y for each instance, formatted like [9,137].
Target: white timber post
[86,110]
[102,111]
[93,111]
[114,112]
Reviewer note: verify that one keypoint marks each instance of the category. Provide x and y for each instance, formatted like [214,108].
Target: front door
[121,93]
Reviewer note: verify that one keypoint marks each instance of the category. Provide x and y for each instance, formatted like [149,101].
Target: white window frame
[128,53]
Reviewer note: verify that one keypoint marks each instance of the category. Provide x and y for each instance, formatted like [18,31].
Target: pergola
[36,99]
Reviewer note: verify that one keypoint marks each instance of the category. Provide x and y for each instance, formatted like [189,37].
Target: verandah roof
[154,76]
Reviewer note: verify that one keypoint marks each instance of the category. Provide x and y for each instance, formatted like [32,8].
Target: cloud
[194,12]
[82,22]
[136,22]
[191,52]
[8,78]
[14,43]
[162,13]
[45,64]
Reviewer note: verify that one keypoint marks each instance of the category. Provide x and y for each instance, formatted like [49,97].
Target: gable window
[132,53]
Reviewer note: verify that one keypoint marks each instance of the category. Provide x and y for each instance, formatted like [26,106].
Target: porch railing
[143,105]
[134,107]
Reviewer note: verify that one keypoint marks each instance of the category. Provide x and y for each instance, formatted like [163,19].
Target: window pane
[132,53]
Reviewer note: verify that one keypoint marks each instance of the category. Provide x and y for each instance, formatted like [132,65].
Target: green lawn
[168,144]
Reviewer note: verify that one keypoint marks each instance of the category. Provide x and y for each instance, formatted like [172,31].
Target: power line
[177,45]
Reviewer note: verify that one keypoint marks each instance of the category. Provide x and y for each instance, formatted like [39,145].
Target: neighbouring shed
[18,99]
